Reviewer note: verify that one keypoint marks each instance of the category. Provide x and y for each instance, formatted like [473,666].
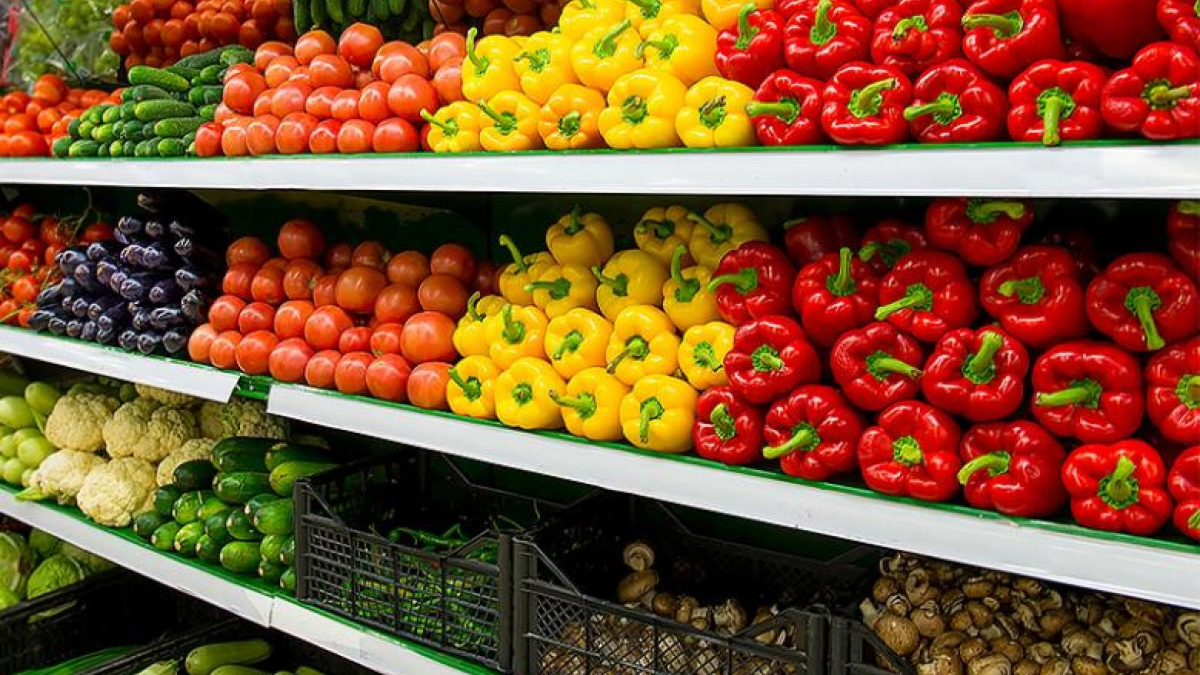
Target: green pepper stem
[472,307]
[907,451]
[723,423]
[705,356]
[823,30]
[1165,96]
[661,228]
[746,33]
[1081,392]
[903,26]
[917,296]
[980,367]
[1028,290]
[1188,207]
[649,8]
[881,364]
[1188,390]
[30,494]
[868,101]
[685,289]
[1054,105]
[636,348]
[558,288]
[570,124]
[618,284]
[480,62]
[518,260]
[944,109]
[1119,489]
[514,331]
[449,127]
[575,224]
[717,234]
[665,46]
[570,343]
[471,387]
[538,59]
[650,410]
[743,281]
[522,393]
[1003,25]
[766,359]
[587,4]
[584,405]
[1194,522]
[786,110]
[506,122]
[606,46]
[1142,301]
[842,283]
[712,112]
[804,437]
[987,210]
[995,463]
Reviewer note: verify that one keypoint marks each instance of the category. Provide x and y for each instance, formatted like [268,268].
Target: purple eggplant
[174,341]
[140,320]
[149,342]
[105,335]
[163,292]
[130,225]
[57,325]
[190,278]
[74,328]
[132,255]
[68,259]
[195,306]
[138,284]
[105,270]
[102,250]
[114,316]
[163,318]
[158,256]
[79,307]
[155,229]
[197,254]
[127,340]
[101,306]
[88,331]
[114,282]
[40,319]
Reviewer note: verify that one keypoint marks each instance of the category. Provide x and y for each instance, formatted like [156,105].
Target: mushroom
[575,635]
[898,604]
[989,664]
[638,556]
[664,604]
[952,601]
[1053,622]
[918,586]
[1026,667]
[870,613]
[1051,599]
[1188,627]
[1168,661]
[961,621]
[928,619]
[1030,587]
[941,664]
[635,585]
[684,608]
[701,618]
[1042,652]
[1083,643]
[1010,648]
[978,587]
[1125,655]
[948,641]
[1056,666]
[972,648]
[899,633]
[981,614]
[1085,665]
[1154,614]
[729,617]
[884,588]
[764,614]
[1027,615]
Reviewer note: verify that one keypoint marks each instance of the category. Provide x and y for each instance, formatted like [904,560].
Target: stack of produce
[59,38]
[24,409]
[33,566]
[143,291]
[158,33]
[359,323]
[30,123]
[405,20]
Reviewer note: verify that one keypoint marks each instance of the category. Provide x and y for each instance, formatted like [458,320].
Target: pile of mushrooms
[952,620]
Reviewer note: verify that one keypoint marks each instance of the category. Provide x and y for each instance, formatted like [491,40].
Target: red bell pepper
[835,294]
[1087,390]
[877,365]
[979,375]
[1054,101]
[864,105]
[1114,28]
[752,281]
[813,432]
[1183,236]
[1012,468]
[1181,20]
[770,357]
[982,232]
[1004,37]
[824,36]
[1143,302]
[1118,488]
[753,49]
[811,238]
[728,429]
[1158,96]
[1173,391]
[1079,243]
[927,294]
[888,241]
[912,451]
[786,110]
[1184,483]
[1036,296]
[872,8]
[954,103]
[914,35]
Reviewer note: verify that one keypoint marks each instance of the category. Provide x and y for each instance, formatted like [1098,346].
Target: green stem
[1162,95]
[1194,522]
[514,331]
[890,251]
[518,260]
[743,281]
[570,124]
[481,63]
[538,59]
[634,110]
[472,307]
[823,30]
[915,22]
[907,451]
[1142,301]
[618,284]
[575,224]
[1188,390]
[1003,25]
[995,463]
[685,289]
[506,122]
[980,367]
[881,364]
[746,33]
[986,211]
[723,423]
[606,46]
[449,127]
[584,404]
[570,343]
[712,112]
[1119,489]
[649,8]
[766,359]
[804,438]
[917,297]
[650,410]
[945,109]
[666,46]
[558,289]
[471,387]
[662,229]
[867,101]
[706,357]
[717,234]
[1028,290]
[1054,105]
[522,393]
[1188,207]
[1084,392]
[636,348]
[842,283]
[786,110]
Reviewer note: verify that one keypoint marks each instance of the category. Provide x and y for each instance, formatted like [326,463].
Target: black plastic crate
[855,649]
[569,624]
[459,601]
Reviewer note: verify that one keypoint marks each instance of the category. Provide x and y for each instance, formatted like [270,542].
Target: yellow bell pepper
[509,123]
[648,15]
[605,54]
[562,288]
[544,65]
[702,354]
[641,111]
[471,389]
[577,340]
[629,278]
[580,16]
[470,336]
[454,128]
[521,272]
[658,414]
[714,115]
[488,68]
[643,343]
[722,228]
[683,45]
[515,332]
[523,395]
[580,238]
[723,14]
[686,298]
[591,405]
[570,120]
[662,229]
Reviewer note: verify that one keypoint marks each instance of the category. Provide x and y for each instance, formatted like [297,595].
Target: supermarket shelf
[183,377]
[1162,572]
[1106,169]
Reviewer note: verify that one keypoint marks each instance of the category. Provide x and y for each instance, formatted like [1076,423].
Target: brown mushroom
[729,617]
[898,604]
[884,588]
[918,586]
[1083,643]
[989,664]
[981,614]
[638,556]
[952,601]
[701,618]
[635,585]
[684,608]
[1188,628]
[948,641]
[961,621]
[664,604]
[1053,621]
[978,587]
[941,664]
[1026,667]
[1042,652]
[928,619]
[1125,655]
[761,615]
[972,649]
[898,632]
[1056,666]
[1168,661]
[1010,648]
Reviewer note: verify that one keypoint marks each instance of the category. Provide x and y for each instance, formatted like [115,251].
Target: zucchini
[282,453]
[171,147]
[111,114]
[165,498]
[177,127]
[213,74]
[235,460]
[62,146]
[212,506]
[145,92]
[206,94]
[186,538]
[240,557]
[195,475]
[187,507]
[163,538]
[271,547]
[239,487]
[286,475]
[274,518]
[84,148]
[204,660]
[160,78]
[270,571]
[208,549]
[144,524]
[287,554]
[240,527]
[161,109]
[214,528]
[288,580]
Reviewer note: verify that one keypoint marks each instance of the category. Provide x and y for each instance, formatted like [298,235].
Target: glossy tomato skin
[427,336]
[319,370]
[387,378]
[301,238]
[408,267]
[254,351]
[455,260]
[291,317]
[238,280]
[222,352]
[410,95]
[323,140]
[396,303]
[267,285]
[339,255]
[443,293]
[427,385]
[396,59]
[386,339]
[289,360]
[224,311]
[300,277]
[323,290]
[312,44]
[249,250]
[358,44]
[256,316]
[357,339]
[371,254]
[200,342]
[350,376]
[358,287]
[325,326]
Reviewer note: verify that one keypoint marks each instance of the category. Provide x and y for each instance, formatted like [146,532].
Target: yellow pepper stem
[746,33]
[744,280]
[570,124]
[571,343]
[514,331]
[606,46]
[584,405]
[558,288]
[804,438]
[723,423]
[685,289]
[666,46]
[636,348]
[575,224]
[472,307]
[706,357]
[506,122]
[518,260]
[619,284]
[449,127]
[651,410]
[522,393]
[471,387]
[634,110]
[662,229]
[481,63]
[538,59]
[718,233]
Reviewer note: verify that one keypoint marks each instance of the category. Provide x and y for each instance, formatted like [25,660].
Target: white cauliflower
[77,421]
[112,494]
[209,417]
[197,448]
[61,476]
[241,417]
[148,430]
[165,396]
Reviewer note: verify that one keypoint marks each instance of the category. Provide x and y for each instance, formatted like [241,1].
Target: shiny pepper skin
[1158,96]
[912,451]
[1053,101]
[835,294]
[877,365]
[864,105]
[955,103]
[814,433]
[1184,485]
[1173,391]
[823,36]
[1012,468]
[1118,488]
[1143,302]
[927,294]
[1091,391]
[1036,296]
[978,375]
[913,35]
[981,231]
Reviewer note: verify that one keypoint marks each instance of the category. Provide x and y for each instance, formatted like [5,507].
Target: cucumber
[186,538]
[85,130]
[160,78]
[271,547]
[142,149]
[214,528]
[165,498]
[207,94]
[212,506]
[145,92]
[189,139]
[282,453]
[187,507]
[235,54]
[62,146]
[240,527]
[73,128]
[337,12]
[144,524]
[103,133]
[202,60]
[305,670]
[118,128]
[127,112]
[132,130]
[270,571]
[204,660]
[274,518]
[320,15]
[239,670]
[84,149]
[130,148]
[177,127]
[286,475]
[171,147]
[93,114]
[302,18]
[356,8]
[195,475]
[240,459]
[238,443]
[288,581]
[161,109]
[287,554]
[396,7]
[208,549]
[116,149]
[240,486]
[240,557]
[207,113]
[164,537]
[189,74]
[380,10]
[258,501]
[111,114]
[102,151]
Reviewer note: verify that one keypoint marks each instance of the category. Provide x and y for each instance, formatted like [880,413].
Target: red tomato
[289,360]
[386,339]
[355,137]
[485,277]
[387,377]
[267,285]
[358,287]
[256,316]
[222,351]
[321,367]
[200,342]
[325,326]
[233,141]
[372,103]
[320,102]
[448,81]
[330,70]
[408,267]
[301,238]
[260,135]
[253,352]
[289,98]
[18,230]
[269,51]
[242,90]
[292,136]
[25,289]
[208,139]
[313,44]
[280,69]
[223,313]
[350,376]
[396,59]
[427,386]
[395,135]
[443,293]
[323,140]
[371,254]
[455,260]
[427,337]
[247,250]
[276,263]
[21,260]
[444,47]
[262,105]
[291,317]
[359,43]
[323,291]
[339,255]
[396,303]
[357,339]
[345,105]
[411,94]
[300,277]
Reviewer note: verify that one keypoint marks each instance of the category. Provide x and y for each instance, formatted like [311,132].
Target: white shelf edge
[1128,569]
[182,377]
[1106,171]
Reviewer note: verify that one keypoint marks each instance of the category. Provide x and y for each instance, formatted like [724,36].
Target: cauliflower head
[166,397]
[197,448]
[77,421]
[148,430]
[241,417]
[114,493]
[62,474]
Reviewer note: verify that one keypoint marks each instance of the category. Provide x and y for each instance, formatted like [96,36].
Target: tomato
[223,312]
[254,350]
[448,81]
[222,351]
[522,24]
[292,136]
[493,23]
[339,255]
[21,260]
[371,254]
[301,238]
[357,339]
[427,386]
[427,337]
[320,102]
[386,339]
[323,292]
[256,316]
[247,250]
[323,140]
[455,260]
[396,303]
[358,287]
[291,317]
[387,377]
[276,263]
[26,211]
[395,135]
[321,367]
[17,230]
[28,144]
[25,289]
[345,105]
[411,94]
[51,253]
[355,137]
[267,285]
[269,51]
[299,278]
[260,135]
[485,277]
[314,43]
[242,90]
[208,139]
[262,105]
[372,102]
[359,43]
[289,98]
[408,267]
[279,70]
[289,360]
[98,231]
[443,293]
[446,11]
[396,59]
[444,47]
[330,70]
[200,342]
[325,326]
[34,248]
[239,279]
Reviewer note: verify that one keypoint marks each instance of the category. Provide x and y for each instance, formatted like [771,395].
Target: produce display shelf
[1095,169]
[246,598]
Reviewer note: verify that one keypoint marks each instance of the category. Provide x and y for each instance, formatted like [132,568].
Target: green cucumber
[239,670]
[94,114]
[171,147]
[337,12]
[127,112]
[271,547]
[103,133]
[165,498]
[240,459]
[130,148]
[132,130]
[305,670]
[320,15]
[84,149]
[116,149]
[142,149]
[214,528]
[207,113]
[211,507]
[240,557]
[186,538]
[145,92]
[207,94]
[187,507]
[240,527]
[111,114]
[285,475]
[208,549]
[288,581]
[163,538]
[102,151]
[287,554]
[62,146]
[274,518]
[238,443]
[177,127]
[282,453]
[396,7]
[158,77]
[240,486]
[356,8]
[161,109]
[202,60]
[196,474]
[204,660]
[270,571]
[85,130]
[211,75]
[144,524]
[380,10]
[189,139]
[74,126]
[235,54]
[302,18]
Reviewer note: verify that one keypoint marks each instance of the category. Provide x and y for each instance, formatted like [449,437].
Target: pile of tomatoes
[160,32]
[496,17]
[356,95]
[30,122]
[358,319]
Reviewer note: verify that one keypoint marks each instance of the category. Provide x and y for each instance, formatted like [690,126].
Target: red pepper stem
[987,210]
[995,463]
[1054,105]
[558,288]
[907,451]
[471,386]
[1165,96]
[1193,523]
[571,342]
[472,304]
[584,405]
[514,331]
[765,359]
[1188,207]
[685,289]
[1188,390]
[823,30]
[914,22]
[1142,301]
[744,281]
[1081,392]
[723,423]
[842,283]
[916,296]
[980,367]
[480,62]
[1119,489]
[945,109]
[1028,290]
[717,233]
[881,364]
[619,284]
[650,410]
[785,109]
[804,437]
[746,33]
[636,348]
[1004,26]
[868,101]
[518,260]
